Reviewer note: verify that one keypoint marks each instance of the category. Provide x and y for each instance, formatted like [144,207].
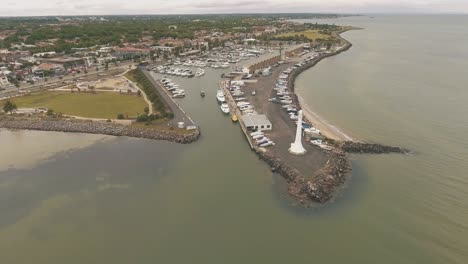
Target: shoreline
[96,127]
[322,184]
[328,130]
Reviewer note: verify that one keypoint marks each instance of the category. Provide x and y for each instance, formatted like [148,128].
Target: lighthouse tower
[296,147]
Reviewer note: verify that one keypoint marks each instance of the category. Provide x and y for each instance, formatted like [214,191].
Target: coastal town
[126,85]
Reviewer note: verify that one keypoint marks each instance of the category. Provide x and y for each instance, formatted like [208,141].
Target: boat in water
[225,108]
[178,94]
[234,118]
[220,96]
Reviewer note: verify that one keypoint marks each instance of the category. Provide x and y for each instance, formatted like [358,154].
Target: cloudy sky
[104,7]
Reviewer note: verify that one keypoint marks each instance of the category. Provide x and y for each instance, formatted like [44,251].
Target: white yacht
[225,108]
[220,96]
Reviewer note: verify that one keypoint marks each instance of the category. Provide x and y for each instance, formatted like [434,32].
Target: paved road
[179,114]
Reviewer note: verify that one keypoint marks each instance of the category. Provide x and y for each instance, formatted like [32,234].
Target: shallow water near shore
[93,199]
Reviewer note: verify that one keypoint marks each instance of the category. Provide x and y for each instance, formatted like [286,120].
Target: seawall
[92,127]
[326,181]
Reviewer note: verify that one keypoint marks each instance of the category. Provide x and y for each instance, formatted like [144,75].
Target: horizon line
[242,13]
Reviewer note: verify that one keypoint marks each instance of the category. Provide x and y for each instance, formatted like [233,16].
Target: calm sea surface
[67,198]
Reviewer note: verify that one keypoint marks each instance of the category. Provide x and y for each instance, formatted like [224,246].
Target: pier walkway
[179,114]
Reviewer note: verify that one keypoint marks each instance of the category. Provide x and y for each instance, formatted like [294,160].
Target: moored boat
[225,108]
[220,96]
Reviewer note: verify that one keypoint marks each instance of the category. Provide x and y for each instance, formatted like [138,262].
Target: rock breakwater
[94,127]
[323,185]
[367,148]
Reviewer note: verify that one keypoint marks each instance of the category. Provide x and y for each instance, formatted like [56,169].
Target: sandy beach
[327,129]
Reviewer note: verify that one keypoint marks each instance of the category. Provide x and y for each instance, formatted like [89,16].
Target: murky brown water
[91,199]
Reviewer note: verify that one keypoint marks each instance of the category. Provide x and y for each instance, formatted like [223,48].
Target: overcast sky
[109,7]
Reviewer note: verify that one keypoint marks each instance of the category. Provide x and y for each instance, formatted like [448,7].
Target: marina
[275,127]
[98,198]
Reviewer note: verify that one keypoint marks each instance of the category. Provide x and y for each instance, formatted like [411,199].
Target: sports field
[92,105]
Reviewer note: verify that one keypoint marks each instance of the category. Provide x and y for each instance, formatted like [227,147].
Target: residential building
[4,83]
[131,51]
[163,48]
[65,62]
[48,68]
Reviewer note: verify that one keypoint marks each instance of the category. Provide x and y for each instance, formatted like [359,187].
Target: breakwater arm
[103,128]
[367,148]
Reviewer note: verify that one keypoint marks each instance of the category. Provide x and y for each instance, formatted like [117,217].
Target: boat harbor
[261,99]
[269,113]
[181,118]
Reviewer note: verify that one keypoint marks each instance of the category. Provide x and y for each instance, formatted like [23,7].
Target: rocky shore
[325,182]
[323,185]
[94,127]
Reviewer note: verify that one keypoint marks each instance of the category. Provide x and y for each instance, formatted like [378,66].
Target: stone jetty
[97,127]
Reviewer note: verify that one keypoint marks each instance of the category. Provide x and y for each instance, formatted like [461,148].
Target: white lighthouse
[296,147]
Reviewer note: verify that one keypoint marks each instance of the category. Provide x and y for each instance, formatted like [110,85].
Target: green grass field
[310,34]
[98,105]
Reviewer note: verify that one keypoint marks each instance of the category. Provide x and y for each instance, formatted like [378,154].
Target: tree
[9,107]
[120,116]
[146,110]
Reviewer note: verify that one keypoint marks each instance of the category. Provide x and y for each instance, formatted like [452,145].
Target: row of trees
[159,105]
[90,33]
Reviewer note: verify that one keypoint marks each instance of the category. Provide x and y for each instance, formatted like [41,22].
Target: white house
[4,83]
[163,48]
[257,122]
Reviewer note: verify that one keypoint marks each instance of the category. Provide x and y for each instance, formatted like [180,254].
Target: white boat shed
[256,122]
